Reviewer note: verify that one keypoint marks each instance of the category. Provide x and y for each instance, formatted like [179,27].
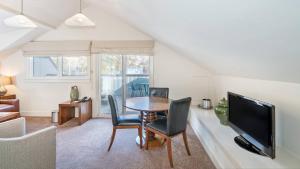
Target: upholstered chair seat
[129,120]
[160,125]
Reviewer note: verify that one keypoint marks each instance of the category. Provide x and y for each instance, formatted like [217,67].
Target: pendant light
[79,20]
[19,21]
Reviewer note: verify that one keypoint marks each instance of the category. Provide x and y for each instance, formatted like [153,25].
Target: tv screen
[254,121]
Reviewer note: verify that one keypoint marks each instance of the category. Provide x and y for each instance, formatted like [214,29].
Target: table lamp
[4,80]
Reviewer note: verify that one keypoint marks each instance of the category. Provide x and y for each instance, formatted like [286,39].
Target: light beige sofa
[19,150]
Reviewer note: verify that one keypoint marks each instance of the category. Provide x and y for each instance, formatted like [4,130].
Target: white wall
[37,99]
[285,97]
[183,76]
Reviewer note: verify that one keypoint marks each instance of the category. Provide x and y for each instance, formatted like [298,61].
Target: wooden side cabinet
[67,111]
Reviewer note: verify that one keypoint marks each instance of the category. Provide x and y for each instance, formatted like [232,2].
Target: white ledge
[218,142]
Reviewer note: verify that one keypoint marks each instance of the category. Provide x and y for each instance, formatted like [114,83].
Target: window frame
[60,77]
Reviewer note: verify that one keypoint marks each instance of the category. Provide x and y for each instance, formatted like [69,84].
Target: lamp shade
[5,80]
[19,21]
[79,20]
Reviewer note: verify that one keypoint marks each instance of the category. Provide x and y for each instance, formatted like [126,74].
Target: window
[75,66]
[58,67]
[45,66]
[138,65]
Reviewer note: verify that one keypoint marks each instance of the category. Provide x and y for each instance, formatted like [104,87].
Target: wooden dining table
[148,106]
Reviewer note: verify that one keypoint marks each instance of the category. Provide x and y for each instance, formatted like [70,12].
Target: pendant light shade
[19,21]
[79,20]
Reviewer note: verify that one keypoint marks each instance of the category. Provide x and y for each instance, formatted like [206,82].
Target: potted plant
[221,111]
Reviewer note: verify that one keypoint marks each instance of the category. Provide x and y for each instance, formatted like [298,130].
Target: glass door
[111,81]
[122,76]
[137,75]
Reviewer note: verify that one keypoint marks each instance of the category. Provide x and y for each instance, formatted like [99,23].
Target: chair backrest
[13,128]
[113,110]
[159,92]
[177,116]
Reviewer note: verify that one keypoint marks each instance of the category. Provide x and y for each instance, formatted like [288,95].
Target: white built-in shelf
[218,142]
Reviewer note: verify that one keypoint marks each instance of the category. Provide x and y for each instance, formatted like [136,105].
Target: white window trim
[60,77]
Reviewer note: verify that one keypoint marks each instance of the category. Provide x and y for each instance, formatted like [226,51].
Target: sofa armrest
[9,101]
[35,150]
[14,102]
[13,128]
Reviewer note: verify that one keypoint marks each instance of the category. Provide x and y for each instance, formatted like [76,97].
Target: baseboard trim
[46,114]
[35,113]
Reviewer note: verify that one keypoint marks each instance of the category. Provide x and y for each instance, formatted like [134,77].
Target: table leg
[79,116]
[149,117]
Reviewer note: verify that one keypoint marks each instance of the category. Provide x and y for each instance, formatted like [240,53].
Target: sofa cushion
[6,107]
[10,102]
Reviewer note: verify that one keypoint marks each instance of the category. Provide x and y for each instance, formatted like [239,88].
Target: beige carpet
[85,147]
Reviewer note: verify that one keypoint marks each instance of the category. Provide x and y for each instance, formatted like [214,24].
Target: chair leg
[112,138]
[141,136]
[186,143]
[164,141]
[147,139]
[142,116]
[169,148]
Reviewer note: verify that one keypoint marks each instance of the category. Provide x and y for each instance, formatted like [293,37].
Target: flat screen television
[255,122]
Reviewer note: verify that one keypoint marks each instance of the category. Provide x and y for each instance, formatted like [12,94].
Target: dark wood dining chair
[159,92]
[123,122]
[173,125]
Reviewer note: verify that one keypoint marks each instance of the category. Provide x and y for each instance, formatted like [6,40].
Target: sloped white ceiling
[46,13]
[11,38]
[53,12]
[3,28]
[107,27]
[248,38]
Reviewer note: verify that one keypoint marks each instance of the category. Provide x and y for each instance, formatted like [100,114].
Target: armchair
[20,151]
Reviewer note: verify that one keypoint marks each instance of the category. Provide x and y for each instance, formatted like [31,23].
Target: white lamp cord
[80,11]
[21,7]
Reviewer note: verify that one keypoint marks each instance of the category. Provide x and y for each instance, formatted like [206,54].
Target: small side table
[67,111]
[8,96]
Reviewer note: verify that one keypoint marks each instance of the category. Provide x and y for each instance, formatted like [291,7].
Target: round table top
[148,104]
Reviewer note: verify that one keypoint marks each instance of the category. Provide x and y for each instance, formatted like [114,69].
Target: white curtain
[123,47]
[87,47]
[57,48]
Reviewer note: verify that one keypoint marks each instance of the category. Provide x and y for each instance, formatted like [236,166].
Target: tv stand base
[239,140]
